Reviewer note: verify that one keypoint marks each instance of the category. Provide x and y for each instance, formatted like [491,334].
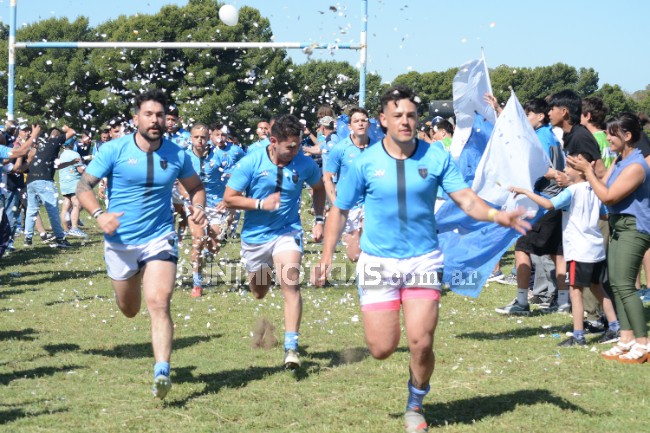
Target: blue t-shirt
[181,138]
[400,198]
[69,176]
[140,185]
[258,177]
[326,144]
[4,152]
[234,152]
[212,172]
[341,158]
[257,146]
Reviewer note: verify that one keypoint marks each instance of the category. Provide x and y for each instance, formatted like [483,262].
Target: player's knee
[381,352]
[128,310]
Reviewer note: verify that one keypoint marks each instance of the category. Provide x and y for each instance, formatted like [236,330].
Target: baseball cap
[326,121]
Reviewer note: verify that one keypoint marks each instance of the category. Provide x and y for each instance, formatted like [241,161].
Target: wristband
[319,219]
[97,213]
[200,206]
[492,214]
[259,204]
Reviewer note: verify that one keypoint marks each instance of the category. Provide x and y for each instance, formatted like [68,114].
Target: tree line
[86,87]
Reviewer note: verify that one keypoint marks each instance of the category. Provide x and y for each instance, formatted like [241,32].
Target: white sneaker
[291,360]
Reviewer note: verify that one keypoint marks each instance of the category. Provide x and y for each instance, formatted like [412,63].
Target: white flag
[514,156]
[471,83]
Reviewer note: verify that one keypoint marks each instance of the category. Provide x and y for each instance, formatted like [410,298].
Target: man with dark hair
[174,131]
[41,187]
[141,249]
[594,112]
[263,130]
[268,185]
[401,259]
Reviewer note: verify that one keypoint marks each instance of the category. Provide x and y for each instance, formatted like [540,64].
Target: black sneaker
[47,237]
[594,326]
[28,242]
[572,341]
[62,243]
[609,337]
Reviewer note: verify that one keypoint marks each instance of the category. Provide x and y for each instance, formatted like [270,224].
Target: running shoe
[495,276]
[514,309]
[161,386]
[291,360]
[415,421]
[197,292]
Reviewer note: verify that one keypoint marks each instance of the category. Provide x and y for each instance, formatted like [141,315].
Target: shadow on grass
[13,292]
[53,349]
[505,335]
[75,299]
[238,378]
[35,373]
[22,334]
[472,410]
[37,278]
[144,350]
[11,415]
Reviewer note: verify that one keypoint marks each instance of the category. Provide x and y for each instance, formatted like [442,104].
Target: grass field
[70,362]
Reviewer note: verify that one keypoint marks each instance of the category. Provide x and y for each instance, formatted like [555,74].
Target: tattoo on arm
[87,182]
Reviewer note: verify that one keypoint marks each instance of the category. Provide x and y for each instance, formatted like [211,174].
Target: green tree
[616,99]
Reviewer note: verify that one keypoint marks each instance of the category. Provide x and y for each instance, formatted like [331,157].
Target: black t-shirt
[580,140]
[42,166]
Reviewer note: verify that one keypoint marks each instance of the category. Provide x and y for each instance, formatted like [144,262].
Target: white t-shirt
[581,208]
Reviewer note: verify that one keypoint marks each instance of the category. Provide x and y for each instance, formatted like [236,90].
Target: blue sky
[427,35]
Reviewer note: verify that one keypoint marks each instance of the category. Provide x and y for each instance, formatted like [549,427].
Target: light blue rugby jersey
[181,138]
[258,177]
[340,160]
[257,146]
[234,152]
[400,196]
[140,185]
[212,172]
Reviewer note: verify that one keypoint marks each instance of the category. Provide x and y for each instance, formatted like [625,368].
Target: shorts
[545,237]
[215,217]
[384,283]
[585,274]
[124,261]
[258,256]
[354,221]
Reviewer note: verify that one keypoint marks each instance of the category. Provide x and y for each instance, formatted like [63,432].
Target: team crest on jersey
[163,164]
[132,161]
[423,172]
[294,177]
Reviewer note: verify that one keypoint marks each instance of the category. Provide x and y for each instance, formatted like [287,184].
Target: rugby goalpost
[14,45]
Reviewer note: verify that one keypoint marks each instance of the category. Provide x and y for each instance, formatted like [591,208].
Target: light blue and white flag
[471,83]
[513,156]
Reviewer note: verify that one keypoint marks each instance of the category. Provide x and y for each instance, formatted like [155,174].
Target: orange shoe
[197,292]
[637,355]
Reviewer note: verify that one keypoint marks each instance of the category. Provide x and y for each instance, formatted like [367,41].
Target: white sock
[522,296]
[562,297]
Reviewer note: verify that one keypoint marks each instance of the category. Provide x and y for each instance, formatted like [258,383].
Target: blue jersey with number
[258,177]
[211,169]
[140,185]
[400,196]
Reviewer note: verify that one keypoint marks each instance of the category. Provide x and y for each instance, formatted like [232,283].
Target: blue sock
[579,335]
[614,326]
[416,396]
[197,278]
[161,368]
[290,341]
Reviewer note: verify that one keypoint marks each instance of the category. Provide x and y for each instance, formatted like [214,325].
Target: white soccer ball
[229,15]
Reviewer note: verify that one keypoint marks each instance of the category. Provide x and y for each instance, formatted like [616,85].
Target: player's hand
[319,273]
[221,207]
[513,219]
[272,202]
[317,231]
[517,190]
[109,222]
[197,215]
[580,163]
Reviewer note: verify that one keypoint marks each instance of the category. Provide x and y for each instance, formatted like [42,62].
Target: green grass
[71,362]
